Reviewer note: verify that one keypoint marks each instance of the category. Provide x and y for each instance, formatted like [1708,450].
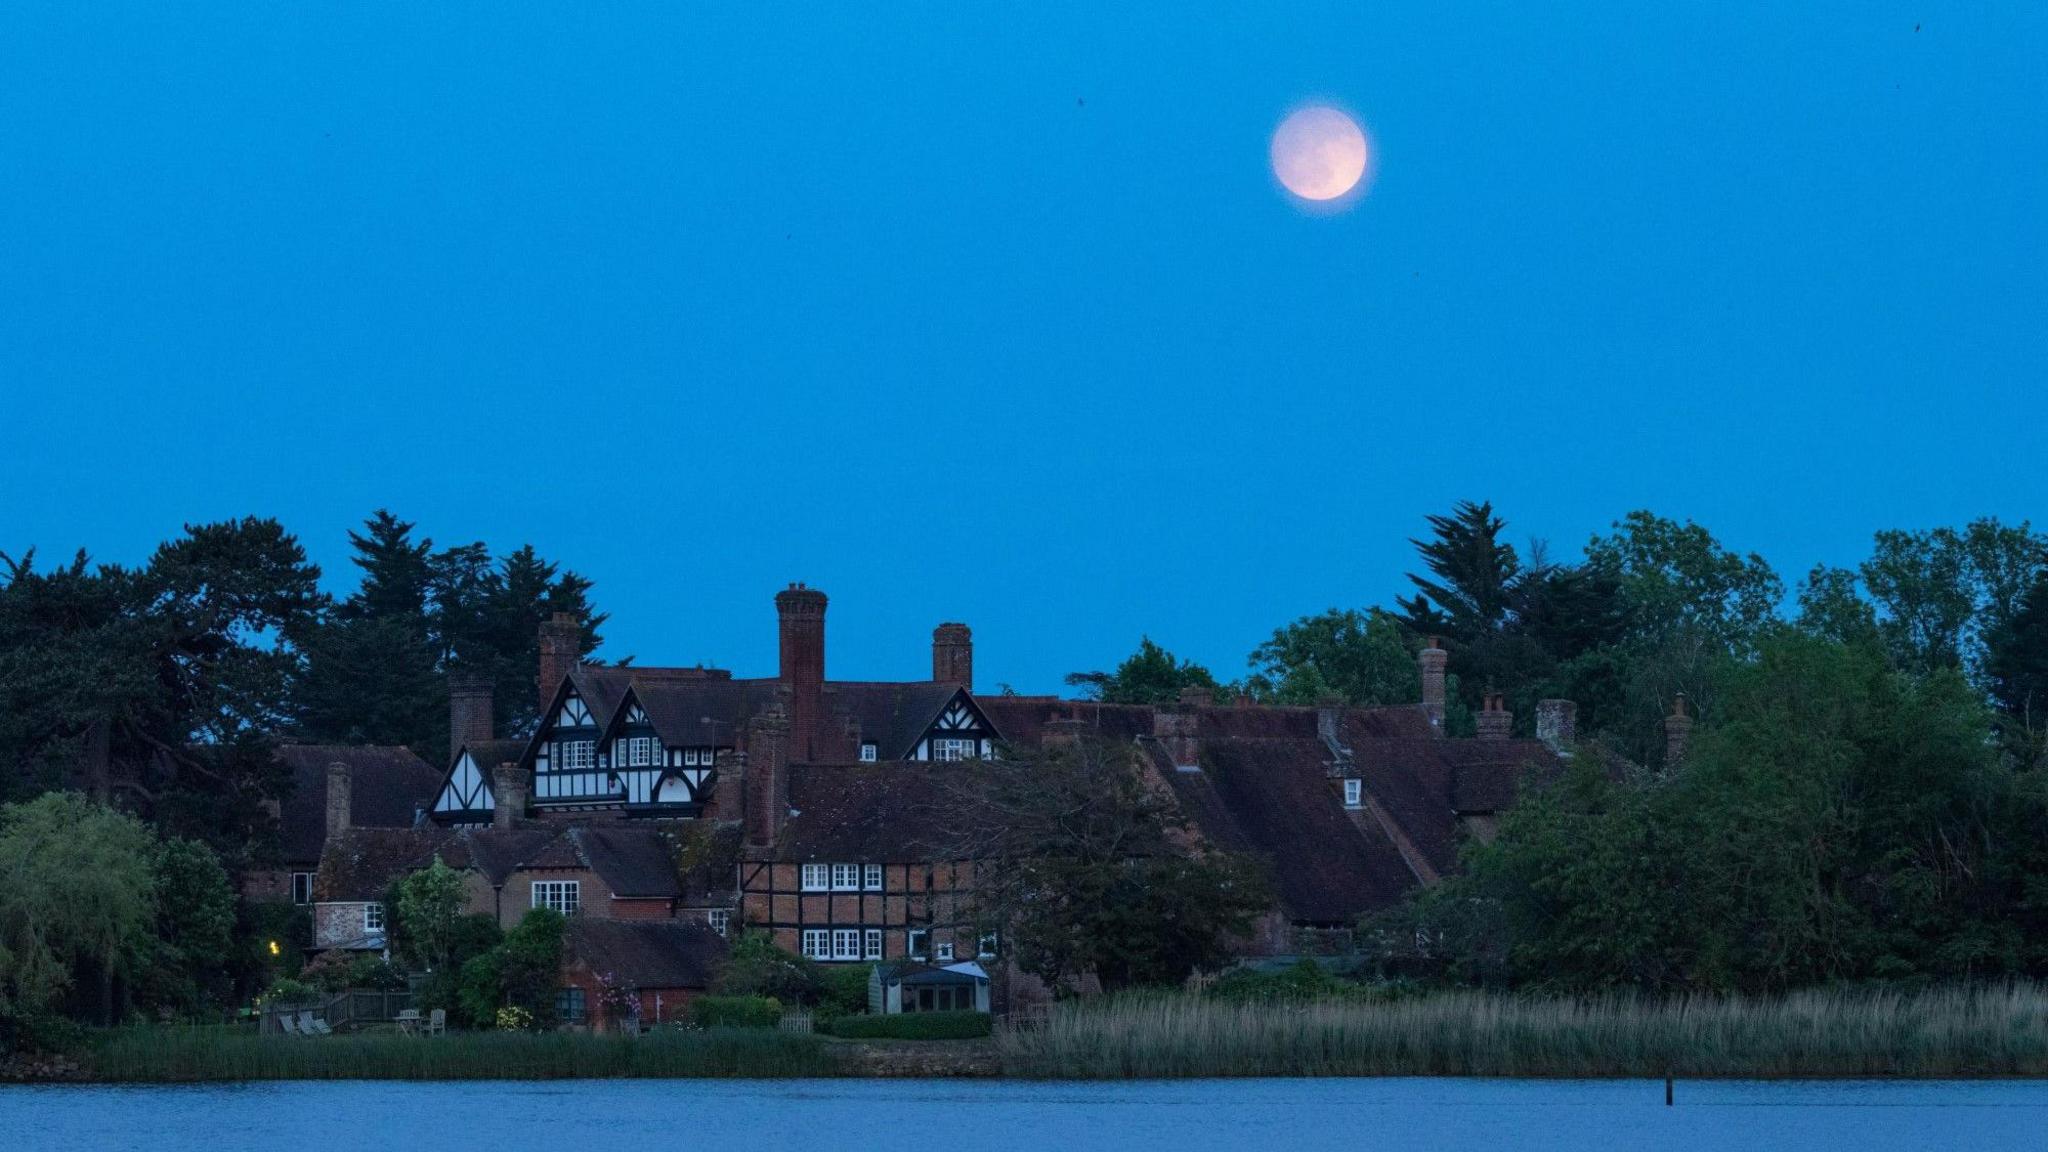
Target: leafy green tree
[78,907]
[429,910]
[1088,868]
[1151,675]
[1832,607]
[1942,594]
[1361,656]
[191,965]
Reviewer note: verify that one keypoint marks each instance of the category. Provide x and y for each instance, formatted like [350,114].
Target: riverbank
[1979,1033]
[1976,1033]
[192,1055]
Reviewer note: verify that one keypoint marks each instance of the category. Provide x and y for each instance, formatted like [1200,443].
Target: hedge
[736,1011]
[913,1026]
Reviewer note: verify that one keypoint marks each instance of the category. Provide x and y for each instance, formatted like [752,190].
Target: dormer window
[1354,793]
[867,753]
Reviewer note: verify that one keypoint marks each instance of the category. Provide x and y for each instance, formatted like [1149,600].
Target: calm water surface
[959,1116]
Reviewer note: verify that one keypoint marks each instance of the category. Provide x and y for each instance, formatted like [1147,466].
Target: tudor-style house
[805,806]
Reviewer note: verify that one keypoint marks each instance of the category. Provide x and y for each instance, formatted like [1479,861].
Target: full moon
[1319,153]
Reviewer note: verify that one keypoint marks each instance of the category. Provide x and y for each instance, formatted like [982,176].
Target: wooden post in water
[1667,1091]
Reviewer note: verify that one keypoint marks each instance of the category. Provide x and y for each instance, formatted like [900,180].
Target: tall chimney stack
[767,776]
[338,789]
[953,655]
[801,612]
[1495,722]
[508,795]
[561,649]
[1557,724]
[1677,732]
[469,711]
[1432,661]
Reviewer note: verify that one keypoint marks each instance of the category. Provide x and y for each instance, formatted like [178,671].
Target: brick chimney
[338,789]
[561,649]
[1432,661]
[1557,724]
[767,779]
[801,613]
[508,795]
[729,787]
[953,655]
[1677,732]
[1176,730]
[1494,721]
[469,711]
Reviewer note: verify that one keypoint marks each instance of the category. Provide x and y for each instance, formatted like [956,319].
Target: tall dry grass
[1996,1031]
[178,1054]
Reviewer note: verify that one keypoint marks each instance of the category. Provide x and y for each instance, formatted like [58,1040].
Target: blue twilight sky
[998,316]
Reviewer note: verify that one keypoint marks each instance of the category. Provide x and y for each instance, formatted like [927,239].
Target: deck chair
[437,1021]
[311,1026]
[285,1022]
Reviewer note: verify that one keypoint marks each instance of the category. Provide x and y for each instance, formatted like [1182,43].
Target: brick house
[385,787]
[802,804]
[651,969]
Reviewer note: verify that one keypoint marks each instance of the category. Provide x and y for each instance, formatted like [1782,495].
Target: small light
[273,947]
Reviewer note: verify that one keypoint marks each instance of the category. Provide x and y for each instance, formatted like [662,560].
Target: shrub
[756,967]
[513,1018]
[843,991]
[914,1026]
[1305,980]
[736,1011]
[285,990]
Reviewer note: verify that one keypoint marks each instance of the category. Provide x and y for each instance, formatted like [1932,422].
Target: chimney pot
[470,719]
[1677,733]
[339,797]
[1432,662]
[1557,724]
[800,612]
[508,799]
[953,655]
[561,650]
[1495,722]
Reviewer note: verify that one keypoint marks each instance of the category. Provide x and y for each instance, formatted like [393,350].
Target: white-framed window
[871,877]
[846,877]
[1354,793]
[818,943]
[872,949]
[915,941]
[846,943]
[576,754]
[720,920]
[564,896]
[689,756]
[302,887]
[867,753]
[953,748]
[816,877]
[986,946]
[373,917]
[639,751]
[945,953]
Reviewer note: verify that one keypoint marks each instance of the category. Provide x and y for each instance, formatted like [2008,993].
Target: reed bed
[1966,1032]
[178,1055]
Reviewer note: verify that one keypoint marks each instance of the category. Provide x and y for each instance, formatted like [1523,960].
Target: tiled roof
[894,716]
[643,954]
[635,861]
[387,787]
[1274,798]
[885,812]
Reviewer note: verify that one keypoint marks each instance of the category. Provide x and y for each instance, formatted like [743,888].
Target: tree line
[1863,797]
[163,689]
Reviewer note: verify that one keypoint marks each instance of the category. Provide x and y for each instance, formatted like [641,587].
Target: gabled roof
[387,787]
[894,716]
[641,954]
[914,973]
[634,861]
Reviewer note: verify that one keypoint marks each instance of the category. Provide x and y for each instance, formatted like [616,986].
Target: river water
[968,1116]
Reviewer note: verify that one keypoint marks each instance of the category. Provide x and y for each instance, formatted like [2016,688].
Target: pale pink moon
[1319,153]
